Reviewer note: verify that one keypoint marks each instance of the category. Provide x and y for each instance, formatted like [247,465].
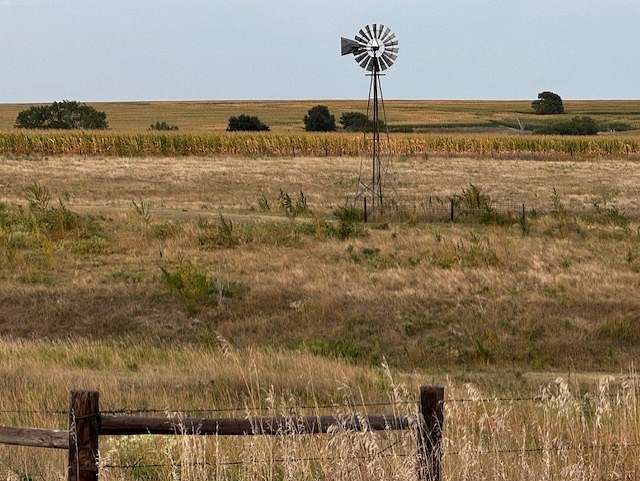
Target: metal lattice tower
[375,49]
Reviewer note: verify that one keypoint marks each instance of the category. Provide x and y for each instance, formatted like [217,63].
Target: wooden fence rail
[87,424]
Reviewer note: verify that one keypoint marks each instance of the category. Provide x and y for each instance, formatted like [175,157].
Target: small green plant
[340,349]
[142,209]
[218,235]
[62,115]
[195,288]
[557,207]
[263,204]
[349,214]
[293,207]
[164,230]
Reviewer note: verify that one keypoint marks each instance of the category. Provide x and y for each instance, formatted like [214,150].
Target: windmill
[375,49]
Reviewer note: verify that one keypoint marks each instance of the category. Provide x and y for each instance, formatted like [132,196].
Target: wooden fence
[87,423]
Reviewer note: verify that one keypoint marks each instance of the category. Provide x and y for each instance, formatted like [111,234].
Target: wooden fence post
[84,428]
[366,216]
[451,214]
[430,433]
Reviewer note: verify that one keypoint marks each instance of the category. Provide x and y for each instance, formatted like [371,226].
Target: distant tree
[319,119]
[353,120]
[163,126]
[548,103]
[62,115]
[246,123]
[575,126]
[357,122]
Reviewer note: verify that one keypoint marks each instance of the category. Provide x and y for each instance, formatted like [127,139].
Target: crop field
[287,116]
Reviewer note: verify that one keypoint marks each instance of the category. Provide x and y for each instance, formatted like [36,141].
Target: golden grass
[283,116]
[583,427]
[437,295]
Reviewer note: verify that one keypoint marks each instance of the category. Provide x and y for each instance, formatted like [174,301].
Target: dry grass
[446,295]
[288,115]
[583,427]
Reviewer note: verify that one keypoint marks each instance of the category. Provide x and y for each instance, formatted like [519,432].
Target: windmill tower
[375,49]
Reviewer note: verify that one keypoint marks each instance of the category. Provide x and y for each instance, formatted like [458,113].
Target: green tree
[62,115]
[548,103]
[575,126]
[319,119]
[246,123]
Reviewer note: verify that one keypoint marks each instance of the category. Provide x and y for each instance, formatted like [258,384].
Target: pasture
[205,270]
[103,248]
[287,116]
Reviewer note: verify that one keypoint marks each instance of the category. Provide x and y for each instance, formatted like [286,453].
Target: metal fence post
[84,428]
[431,423]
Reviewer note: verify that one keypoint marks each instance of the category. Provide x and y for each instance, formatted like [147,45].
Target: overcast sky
[286,49]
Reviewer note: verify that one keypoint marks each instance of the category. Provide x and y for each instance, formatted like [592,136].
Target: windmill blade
[368,28]
[363,34]
[375,30]
[392,50]
[348,46]
[391,38]
[391,44]
[372,64]
[365,63]
[361,56]
[380,31]
[386,34]
[361,40]
[383,65]
[389,58]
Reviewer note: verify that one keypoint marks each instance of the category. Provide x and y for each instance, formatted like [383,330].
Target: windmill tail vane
[375,48]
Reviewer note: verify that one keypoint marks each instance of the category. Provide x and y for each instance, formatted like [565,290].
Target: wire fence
[387,452]
[292,407]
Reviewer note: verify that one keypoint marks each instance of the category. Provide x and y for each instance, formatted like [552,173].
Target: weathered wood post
[451,213]
[84,428]
[366,216]
[430,433]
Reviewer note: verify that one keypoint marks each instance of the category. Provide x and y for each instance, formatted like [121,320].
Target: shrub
[319,119]
[62,115]
[548,103]
[357,121]
[575,126]
[246,123]
[163,126]
[293,207]
[218,235]
[195,288]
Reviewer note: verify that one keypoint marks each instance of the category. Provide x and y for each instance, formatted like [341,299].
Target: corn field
[149,144]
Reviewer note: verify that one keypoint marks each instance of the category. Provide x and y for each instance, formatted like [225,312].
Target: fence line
[87,423]
[293,408]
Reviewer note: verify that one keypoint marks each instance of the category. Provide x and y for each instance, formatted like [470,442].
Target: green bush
[62,115]
[358,122]
[548,103]
[575,126]
[246,123]
[163,126]
[319,119]
[195,288]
